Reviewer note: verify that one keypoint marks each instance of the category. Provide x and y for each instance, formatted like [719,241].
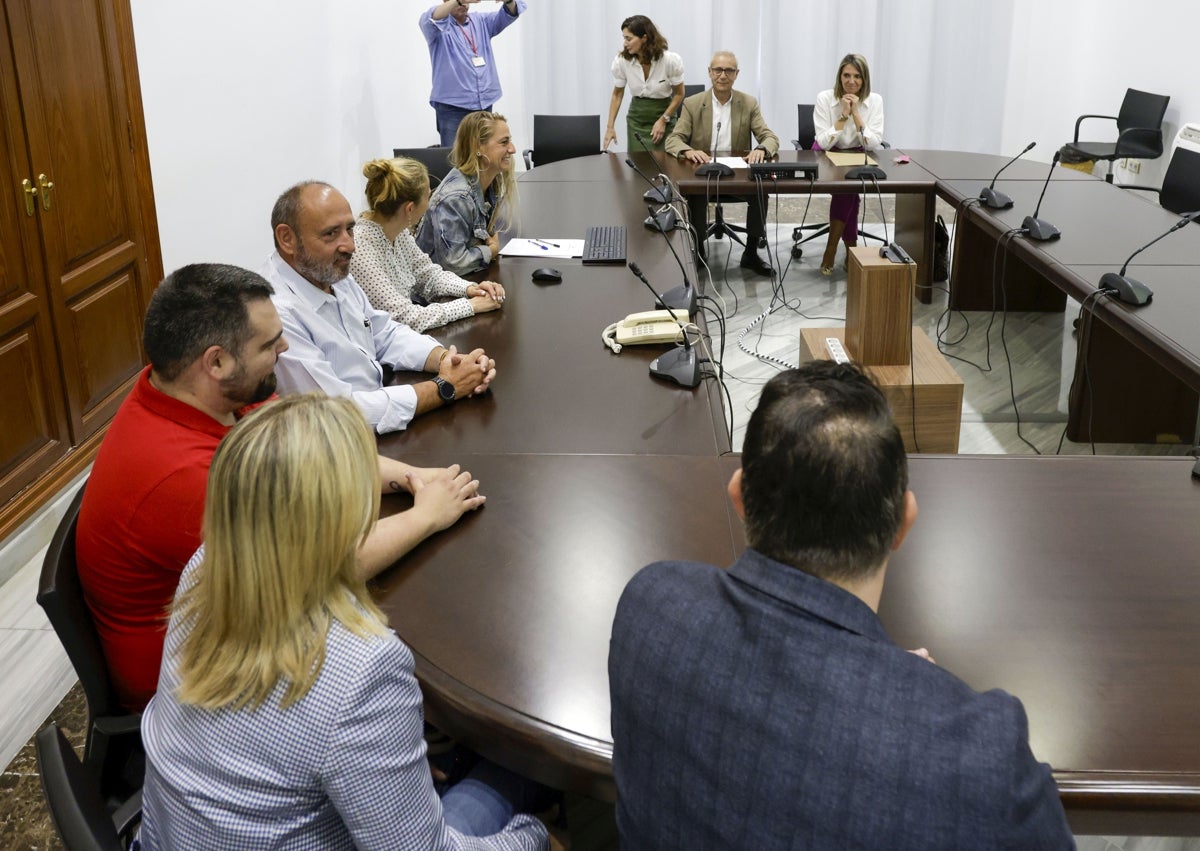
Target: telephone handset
[653,326]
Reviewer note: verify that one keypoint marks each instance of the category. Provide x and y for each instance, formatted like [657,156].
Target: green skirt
[642,114]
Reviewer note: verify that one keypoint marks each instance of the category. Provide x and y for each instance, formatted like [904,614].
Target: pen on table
[545,243]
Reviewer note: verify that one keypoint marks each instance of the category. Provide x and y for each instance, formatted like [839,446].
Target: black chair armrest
[119,725]
[128,816]
[528,156]
[1150,137]
[796,144]
[1079,121]
[1155,189]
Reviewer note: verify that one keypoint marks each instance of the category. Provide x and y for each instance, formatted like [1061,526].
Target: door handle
[47,186]
[30,193]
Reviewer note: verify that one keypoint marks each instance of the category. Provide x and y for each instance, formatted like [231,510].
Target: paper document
[538,247]
[846,159]
[733,162]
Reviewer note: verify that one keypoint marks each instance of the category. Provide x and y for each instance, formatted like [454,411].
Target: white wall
[242,99]
[1064,62]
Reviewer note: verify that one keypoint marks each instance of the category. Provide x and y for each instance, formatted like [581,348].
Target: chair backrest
[75,803]
[61,596]
[806,131]
[562,137]
[1181,185]
[1142,109]
[689,89]
[435,159]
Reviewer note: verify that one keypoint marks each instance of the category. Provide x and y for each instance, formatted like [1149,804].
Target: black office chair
[435,159]
[562,137]
[76,806]
[1139,131]
[806,134]
[1180,191]
[113,753]
[689,89]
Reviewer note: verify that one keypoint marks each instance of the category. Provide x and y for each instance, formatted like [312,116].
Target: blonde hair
[476,129]
[292,493]
[392,183]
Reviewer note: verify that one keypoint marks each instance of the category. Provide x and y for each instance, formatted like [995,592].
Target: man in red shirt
[212,336]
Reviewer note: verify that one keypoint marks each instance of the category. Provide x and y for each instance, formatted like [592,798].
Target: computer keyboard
[604,244]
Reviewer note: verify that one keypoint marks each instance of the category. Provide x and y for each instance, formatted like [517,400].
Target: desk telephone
[653,326]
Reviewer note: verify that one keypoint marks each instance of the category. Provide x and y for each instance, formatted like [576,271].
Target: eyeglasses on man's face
[723,72]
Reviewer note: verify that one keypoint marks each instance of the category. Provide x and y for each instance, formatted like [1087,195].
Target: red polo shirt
[138,526]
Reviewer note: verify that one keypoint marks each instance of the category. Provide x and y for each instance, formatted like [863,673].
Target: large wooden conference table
[1071,582]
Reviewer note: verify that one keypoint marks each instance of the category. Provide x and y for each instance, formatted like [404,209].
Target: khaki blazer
[694,127]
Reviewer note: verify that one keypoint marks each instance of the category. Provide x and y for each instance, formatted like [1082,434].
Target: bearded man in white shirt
[338,343]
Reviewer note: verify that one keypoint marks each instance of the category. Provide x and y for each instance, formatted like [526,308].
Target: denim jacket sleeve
[454,230]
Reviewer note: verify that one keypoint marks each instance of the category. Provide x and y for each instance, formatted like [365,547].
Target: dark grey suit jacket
[761,707]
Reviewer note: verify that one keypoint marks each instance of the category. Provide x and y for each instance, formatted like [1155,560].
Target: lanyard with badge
[476,59]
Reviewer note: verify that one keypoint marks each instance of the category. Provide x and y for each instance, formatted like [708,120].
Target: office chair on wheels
[562,137]
[113,753]
[806,134]
[1180,190]
[1139,131]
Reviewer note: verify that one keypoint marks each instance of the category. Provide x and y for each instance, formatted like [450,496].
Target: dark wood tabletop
[1071,583]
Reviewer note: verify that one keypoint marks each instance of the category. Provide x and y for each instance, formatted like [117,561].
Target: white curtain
[941,65]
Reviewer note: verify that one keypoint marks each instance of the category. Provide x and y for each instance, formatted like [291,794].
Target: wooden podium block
[938,390]
[879,297]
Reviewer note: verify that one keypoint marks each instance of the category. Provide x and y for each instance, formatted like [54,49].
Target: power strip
[893,252]
[837,352]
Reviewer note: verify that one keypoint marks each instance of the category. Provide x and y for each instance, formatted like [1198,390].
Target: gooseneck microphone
[998,200]
[1130,290]
[680,364]
[866,171]
[655,194]
[1036,228]
[714,167]
[682,297]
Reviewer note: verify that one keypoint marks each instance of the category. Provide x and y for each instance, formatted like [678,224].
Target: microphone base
[719,169]
[866,172]
[680,365]
[661,195]
[994,198]
[1127,290]
[681,297]
[664,221]
[894,253]
[1039,229]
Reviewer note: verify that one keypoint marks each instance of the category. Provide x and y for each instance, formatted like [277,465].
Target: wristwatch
[445,389]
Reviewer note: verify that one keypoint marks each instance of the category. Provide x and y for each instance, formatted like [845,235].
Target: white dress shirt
[826,111]
[666,72]
[722,114]
[338,344]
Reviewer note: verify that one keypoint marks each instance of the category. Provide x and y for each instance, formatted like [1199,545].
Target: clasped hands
[471,374]
[486,296]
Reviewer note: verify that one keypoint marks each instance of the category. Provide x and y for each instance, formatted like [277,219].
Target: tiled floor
[34,673]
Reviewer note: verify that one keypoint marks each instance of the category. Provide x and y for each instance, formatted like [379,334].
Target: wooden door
[33,425]
[80,136]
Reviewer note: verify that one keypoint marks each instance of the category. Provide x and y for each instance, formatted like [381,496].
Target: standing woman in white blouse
[390,266]
[847,117]
[654,77]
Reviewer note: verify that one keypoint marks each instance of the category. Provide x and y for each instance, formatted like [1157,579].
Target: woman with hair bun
[395,273]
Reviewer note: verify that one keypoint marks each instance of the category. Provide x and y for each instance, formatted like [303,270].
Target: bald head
[313,228]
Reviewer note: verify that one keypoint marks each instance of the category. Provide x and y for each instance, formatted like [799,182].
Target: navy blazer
[763,708]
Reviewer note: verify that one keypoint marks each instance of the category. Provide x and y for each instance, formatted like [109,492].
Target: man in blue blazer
[764,706]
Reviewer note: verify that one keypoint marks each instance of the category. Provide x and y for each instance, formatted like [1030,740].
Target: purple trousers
[844,208]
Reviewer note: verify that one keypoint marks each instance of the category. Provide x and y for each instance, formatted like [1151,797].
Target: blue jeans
[448,119]
[483,802]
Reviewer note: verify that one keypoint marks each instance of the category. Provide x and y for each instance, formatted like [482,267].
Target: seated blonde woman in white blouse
[390,266]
